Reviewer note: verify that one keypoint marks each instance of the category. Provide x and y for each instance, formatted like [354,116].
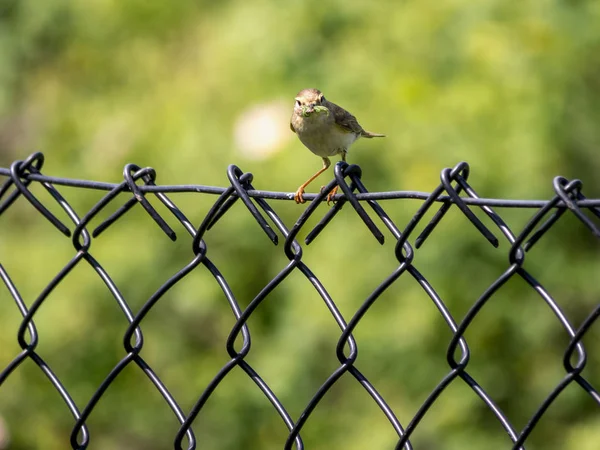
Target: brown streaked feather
[345,120]
[348,123]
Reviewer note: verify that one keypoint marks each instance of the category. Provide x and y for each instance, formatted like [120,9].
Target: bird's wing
[345,120]
[292,127]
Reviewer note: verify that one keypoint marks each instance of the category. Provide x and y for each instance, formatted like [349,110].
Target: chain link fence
[454,191]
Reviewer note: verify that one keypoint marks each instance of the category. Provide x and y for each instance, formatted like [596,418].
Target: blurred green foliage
[511,87]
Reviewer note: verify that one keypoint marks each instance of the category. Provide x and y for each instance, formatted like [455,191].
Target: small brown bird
[326,129]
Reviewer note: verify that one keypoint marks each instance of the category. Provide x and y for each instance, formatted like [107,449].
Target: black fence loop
[575,344]
[80,230]
[234,173]
[447,178]
[18,169]
[229,201]
[32,164]
[343,169]
[459,174]
[569,195]
[461,168]
[517,254]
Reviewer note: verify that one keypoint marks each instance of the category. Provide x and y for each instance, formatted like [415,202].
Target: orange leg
[298,195]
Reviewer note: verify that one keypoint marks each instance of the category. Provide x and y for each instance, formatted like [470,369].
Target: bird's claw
[299,196]
[331,195]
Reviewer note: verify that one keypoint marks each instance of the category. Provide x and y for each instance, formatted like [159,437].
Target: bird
[326,129]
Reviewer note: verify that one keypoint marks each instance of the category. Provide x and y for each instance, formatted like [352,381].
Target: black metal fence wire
[568,199]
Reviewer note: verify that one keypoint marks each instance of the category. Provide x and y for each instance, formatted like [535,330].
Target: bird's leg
[298,195]
[335,189]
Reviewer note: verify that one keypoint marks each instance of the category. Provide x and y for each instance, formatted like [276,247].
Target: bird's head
[309,102]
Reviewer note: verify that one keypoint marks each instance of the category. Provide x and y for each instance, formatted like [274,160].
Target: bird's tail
[370,135]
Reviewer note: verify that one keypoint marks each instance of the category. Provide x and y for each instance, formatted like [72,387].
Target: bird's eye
[322,99]
[298,103]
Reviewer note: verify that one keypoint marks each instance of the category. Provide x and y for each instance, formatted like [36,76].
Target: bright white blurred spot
[263,130]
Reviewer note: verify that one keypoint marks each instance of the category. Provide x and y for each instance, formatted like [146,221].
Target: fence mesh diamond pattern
[453,192]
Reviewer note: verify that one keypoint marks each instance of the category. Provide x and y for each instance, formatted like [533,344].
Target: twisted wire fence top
[453,192]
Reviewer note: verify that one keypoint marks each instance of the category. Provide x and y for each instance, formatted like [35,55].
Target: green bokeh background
[513,88]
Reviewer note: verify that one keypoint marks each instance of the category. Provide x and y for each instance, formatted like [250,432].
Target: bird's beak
[310,108]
